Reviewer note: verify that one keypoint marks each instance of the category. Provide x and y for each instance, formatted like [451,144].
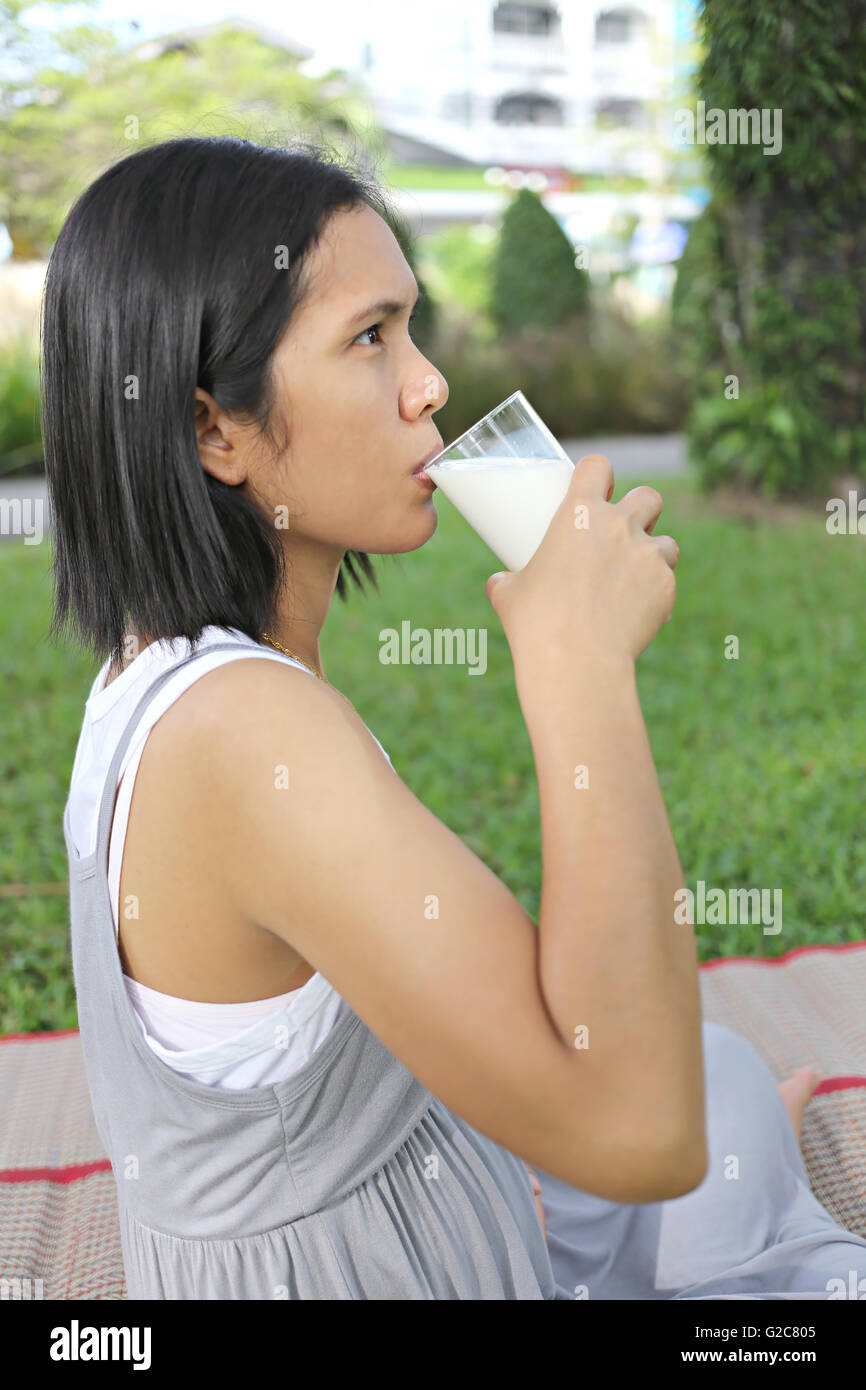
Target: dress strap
[109,790]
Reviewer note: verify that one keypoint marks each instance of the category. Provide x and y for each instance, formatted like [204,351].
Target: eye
[374,328]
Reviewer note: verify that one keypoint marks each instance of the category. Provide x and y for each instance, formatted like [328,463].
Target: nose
[428,390]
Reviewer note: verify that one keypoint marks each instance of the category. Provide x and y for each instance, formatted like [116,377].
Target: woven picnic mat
[808,1008]
[58,1205]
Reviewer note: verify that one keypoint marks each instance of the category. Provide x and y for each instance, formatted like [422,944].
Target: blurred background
[681,290]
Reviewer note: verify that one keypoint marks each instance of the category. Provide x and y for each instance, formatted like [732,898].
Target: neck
[312,579]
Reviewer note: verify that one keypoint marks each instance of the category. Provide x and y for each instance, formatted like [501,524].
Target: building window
[528,108]
[457,106]
[622,113]
[512,18]
[619,26]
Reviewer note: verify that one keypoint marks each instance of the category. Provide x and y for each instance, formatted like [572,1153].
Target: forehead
[356,260]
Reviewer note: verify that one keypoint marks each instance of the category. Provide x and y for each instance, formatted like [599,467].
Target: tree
[535,282]
[770,302]
[426,322]
[62,122]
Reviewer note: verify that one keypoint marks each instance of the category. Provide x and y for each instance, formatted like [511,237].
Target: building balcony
[536,53]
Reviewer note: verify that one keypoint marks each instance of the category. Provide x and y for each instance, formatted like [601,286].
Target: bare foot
[796,1093]
[536,1187]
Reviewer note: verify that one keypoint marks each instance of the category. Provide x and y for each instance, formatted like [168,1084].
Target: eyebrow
[383,308]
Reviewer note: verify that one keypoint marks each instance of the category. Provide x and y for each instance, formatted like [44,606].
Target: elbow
[637,1172]
[624,1157]
[679,1168]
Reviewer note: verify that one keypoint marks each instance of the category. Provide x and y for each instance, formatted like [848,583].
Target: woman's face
[358,398]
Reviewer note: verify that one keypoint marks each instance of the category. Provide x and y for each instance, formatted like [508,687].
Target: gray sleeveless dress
[351,1180]
[348,1180]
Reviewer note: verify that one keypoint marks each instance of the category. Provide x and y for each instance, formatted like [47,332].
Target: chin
[413,534]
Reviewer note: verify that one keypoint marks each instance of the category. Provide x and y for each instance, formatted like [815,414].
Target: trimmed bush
[535,282]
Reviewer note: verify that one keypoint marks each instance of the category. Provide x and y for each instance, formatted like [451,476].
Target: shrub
[535,282]
[20,441]
[605,375]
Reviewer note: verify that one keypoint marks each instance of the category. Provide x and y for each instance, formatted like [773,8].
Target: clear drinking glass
[506,475]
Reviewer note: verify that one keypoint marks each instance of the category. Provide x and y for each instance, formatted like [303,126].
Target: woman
[317,1029]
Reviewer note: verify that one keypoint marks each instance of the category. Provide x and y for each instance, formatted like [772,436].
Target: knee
[730,1059]
[723,1047]
[719,1035]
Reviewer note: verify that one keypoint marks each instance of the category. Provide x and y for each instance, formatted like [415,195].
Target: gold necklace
[286,652]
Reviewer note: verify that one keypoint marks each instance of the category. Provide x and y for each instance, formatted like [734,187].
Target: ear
[218,441]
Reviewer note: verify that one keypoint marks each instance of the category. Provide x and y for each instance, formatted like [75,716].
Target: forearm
[618,973]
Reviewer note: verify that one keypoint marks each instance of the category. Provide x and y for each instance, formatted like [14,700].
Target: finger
[668,547]
[493,583]
[592,476]
[644,504]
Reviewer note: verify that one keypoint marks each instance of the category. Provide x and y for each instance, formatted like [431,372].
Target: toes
[806,1074]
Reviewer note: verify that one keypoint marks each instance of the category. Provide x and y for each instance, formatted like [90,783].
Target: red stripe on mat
[779,960]
[75,1171]
[838,1083]
[71,1173]
[38,1037]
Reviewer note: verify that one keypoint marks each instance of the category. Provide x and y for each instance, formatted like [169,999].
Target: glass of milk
[506,475]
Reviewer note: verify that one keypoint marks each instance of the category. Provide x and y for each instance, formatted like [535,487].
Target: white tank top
[228,1046]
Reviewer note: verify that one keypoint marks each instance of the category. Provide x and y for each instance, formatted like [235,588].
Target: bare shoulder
[249,673]
[292,791]
[253,696]
[252,726]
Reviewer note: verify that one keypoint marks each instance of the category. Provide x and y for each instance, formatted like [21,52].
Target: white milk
[508,501]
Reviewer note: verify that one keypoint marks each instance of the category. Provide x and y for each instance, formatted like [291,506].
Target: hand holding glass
[506,475]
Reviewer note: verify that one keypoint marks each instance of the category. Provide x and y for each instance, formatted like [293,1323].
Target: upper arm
[320,841]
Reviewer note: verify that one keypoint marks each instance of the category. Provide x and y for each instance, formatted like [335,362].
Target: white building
[531,83]
[534,87]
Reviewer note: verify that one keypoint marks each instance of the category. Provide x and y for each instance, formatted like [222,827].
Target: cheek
[345,426]
[342,463]
[337,484]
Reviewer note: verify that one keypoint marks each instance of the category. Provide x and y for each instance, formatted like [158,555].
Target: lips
[437,449]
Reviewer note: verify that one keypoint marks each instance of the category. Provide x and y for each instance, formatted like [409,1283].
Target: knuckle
[654,495]
[620,525]
[587,458]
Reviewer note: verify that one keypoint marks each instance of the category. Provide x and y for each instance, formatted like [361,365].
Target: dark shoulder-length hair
[180,266]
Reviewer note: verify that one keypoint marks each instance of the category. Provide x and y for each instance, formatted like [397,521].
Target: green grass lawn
[761,759]
[461,177]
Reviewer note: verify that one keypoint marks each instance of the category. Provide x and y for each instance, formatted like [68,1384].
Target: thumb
[493,583]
